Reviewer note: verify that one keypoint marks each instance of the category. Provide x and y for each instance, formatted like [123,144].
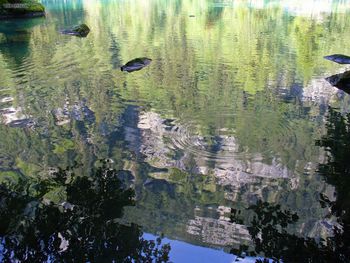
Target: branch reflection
[86,227]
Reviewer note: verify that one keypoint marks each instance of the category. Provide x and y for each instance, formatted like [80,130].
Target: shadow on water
[83,228]
[268,228]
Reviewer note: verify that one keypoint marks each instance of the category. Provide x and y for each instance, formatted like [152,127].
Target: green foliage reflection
[268,227]
[83,228]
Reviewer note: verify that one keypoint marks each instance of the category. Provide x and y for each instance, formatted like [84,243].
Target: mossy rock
[35,7]
[21,9]
[80,30]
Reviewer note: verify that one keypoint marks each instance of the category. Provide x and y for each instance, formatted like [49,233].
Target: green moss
[29,6]
[35,7]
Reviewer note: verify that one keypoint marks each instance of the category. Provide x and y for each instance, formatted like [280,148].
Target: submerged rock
[136,64]
[21,9]
[80,31]
[339,58]
[341,81]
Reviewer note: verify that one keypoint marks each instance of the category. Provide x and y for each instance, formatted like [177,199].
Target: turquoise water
[232,110]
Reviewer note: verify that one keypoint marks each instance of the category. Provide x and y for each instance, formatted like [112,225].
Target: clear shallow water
[226,114]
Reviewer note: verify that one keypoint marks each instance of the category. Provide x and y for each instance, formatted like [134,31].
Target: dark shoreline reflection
[268,228]
[83,228]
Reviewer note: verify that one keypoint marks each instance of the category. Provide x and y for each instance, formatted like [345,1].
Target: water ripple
[220,146]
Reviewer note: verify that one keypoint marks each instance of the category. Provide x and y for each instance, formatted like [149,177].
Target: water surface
[227,113]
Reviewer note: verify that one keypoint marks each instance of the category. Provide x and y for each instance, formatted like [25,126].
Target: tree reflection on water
[268,228]
[88,226]
[84,228]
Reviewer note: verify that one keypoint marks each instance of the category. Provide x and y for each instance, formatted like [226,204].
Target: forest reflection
[268,228]
[88,225]
[226,114]
[84,228]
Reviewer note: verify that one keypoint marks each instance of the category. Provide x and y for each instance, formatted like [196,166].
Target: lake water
[229,113]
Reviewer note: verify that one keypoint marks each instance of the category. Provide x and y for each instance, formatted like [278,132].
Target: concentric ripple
[173,137]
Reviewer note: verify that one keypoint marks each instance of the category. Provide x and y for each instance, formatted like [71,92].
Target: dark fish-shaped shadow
[79,31]
[338,58]
[341,81]
[136,64]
